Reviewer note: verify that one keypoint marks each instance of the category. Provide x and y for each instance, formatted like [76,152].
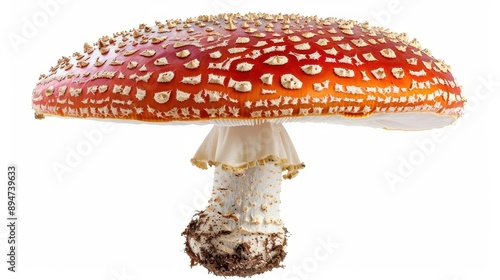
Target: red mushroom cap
[233,69]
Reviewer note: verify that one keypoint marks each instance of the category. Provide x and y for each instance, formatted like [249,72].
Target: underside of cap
[389,121]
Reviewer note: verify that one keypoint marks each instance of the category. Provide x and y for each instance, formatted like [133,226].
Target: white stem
[250,202]
[240,232]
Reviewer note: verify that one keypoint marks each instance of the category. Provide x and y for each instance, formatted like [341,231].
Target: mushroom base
[240,233]
[235,253]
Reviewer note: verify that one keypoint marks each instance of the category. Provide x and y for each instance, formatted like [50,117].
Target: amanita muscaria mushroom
[246,75]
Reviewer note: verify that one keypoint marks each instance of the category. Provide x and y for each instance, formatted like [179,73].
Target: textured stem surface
[240,233]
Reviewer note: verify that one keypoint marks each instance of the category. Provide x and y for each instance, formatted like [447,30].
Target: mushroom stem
[240,233]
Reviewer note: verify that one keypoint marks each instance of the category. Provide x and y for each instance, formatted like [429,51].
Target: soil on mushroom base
[238,264]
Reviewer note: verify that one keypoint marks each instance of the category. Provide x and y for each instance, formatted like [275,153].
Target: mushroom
[246,75]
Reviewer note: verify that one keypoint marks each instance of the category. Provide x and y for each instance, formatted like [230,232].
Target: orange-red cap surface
[233,69]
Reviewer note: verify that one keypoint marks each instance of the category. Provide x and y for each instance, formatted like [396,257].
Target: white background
[119,211]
